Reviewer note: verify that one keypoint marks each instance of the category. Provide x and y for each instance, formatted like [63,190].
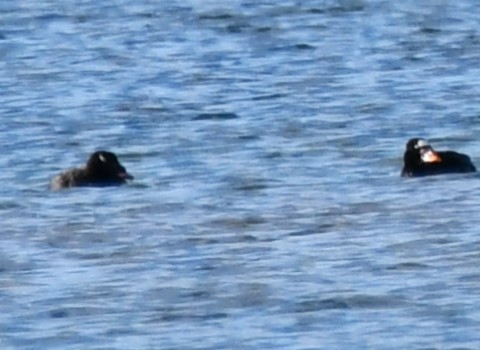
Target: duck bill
[124,175]
[431,156]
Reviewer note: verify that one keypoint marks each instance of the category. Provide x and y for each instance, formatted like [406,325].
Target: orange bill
[431,156]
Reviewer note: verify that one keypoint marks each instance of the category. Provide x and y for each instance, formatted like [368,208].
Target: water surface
[266,141]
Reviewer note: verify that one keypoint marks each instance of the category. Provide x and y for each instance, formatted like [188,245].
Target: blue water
[266,142]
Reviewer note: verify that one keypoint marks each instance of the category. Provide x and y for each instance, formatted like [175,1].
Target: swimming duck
[420,159]
[102,169]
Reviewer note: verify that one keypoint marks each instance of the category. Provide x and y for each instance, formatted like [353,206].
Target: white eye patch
[422,143]
[102,158]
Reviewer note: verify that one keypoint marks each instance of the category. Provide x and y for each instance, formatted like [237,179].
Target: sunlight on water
[266,142]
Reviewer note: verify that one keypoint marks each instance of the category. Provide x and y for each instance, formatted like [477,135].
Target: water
[266,141]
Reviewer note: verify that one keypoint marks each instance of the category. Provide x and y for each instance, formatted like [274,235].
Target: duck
[102,169]
[420,159]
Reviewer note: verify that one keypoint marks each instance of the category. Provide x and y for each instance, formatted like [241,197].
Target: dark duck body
[420,159]
[102,169]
